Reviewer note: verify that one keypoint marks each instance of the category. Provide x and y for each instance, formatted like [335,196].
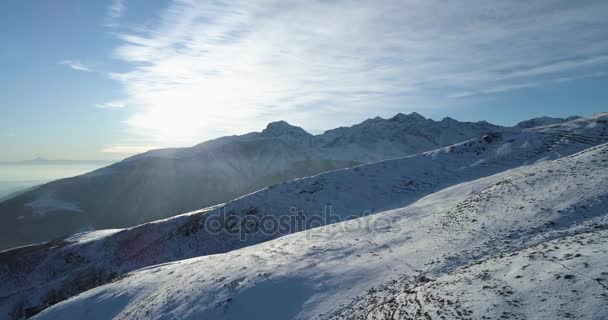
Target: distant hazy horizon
[19,176]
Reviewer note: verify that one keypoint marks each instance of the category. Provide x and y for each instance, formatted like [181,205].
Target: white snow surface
[87,236]
[438,214]
[467,244]
[563,278]
[41,275]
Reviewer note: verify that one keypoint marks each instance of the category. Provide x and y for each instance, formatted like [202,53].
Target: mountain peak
[281,128]
[405,117]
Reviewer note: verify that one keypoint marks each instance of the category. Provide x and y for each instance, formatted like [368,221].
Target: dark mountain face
[162,183]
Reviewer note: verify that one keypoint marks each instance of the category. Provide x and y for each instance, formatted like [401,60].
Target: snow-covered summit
[414,116]
[281,128]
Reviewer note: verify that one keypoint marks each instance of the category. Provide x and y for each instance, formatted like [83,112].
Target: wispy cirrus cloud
[76,65]
[112,104]
[115,11]
[232,66]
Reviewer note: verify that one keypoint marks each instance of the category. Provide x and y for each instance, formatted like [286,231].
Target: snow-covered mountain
[528,242]
[35,277]
[543,121]
[163,183]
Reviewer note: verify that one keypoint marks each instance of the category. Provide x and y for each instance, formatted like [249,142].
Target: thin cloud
[560,66]
[463,94]
[115,11]
[75,65]
[112,104]
[525,85]
[225,66]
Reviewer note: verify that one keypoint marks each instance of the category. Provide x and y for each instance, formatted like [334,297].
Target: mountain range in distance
[486,203]
[17,177]
[161,183]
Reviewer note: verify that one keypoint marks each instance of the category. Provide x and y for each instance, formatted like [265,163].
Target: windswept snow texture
[530,242]
[38,276]
[565,278]
[163,183]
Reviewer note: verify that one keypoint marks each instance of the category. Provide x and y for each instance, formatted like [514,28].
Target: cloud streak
[75,65]
[215,67]
[112,104]
[115,11]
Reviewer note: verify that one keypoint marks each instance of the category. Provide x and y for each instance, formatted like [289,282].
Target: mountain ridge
[322,272]
[165,182]
[353,192]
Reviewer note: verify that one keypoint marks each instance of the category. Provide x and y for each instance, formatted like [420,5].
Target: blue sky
[103,80]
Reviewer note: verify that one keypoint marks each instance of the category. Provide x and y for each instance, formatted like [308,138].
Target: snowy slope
[38,276]
[523,243]
[163,183]
[564,278]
